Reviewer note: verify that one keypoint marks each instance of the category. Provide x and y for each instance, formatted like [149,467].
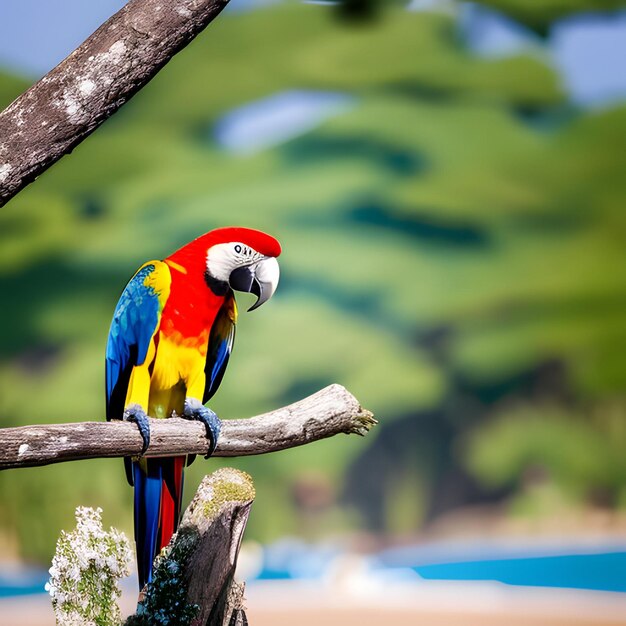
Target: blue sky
[35,35]
[588,51]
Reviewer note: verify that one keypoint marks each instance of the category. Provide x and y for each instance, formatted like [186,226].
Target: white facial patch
[223,258]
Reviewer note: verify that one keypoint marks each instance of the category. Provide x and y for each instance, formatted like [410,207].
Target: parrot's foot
[134,413]
[195,410]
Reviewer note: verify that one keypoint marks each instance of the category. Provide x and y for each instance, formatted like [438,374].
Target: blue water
[601,572]
[600,568]
[23,583]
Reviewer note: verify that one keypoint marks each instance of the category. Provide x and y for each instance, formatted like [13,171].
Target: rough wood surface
[219,513]
[328,412]
[95,80]
[202,555]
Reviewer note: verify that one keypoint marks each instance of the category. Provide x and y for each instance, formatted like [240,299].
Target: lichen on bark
[225,486]
[164,601]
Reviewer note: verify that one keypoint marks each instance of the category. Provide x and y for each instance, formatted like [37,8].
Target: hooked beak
[261,279]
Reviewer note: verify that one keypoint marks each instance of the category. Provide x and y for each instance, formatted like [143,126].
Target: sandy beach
[427,604]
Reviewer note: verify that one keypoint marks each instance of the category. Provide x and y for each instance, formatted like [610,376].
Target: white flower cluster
[86,568]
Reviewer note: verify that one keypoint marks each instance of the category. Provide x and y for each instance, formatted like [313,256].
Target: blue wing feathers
[221,342]
[135,320]
[221,354]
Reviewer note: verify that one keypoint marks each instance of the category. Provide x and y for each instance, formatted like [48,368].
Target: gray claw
[134,413]
[195,410]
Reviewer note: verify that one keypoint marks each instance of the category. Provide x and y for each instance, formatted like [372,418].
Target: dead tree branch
[202,556]
[328,412]
[95,80]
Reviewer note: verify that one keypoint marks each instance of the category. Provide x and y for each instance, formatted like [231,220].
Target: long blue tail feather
[148,485]
[158,494]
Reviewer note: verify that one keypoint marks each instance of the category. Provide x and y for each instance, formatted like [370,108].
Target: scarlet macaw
[168,347]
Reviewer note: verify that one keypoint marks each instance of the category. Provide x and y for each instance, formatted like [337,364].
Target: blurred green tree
[453,250]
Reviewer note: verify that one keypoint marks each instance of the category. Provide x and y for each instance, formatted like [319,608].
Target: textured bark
[95,80]
[328,412]
[203,554]
[219,513]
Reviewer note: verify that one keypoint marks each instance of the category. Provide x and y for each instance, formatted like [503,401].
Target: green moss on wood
[228,485]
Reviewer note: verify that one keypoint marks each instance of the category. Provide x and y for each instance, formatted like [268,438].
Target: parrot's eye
[238,249]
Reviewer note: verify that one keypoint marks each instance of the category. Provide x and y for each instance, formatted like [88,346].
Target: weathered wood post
[197,568]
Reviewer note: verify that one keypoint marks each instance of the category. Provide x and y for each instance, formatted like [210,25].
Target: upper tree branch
[95,80]
[328,412]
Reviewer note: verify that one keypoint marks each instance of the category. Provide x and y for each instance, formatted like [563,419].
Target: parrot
[169,343]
